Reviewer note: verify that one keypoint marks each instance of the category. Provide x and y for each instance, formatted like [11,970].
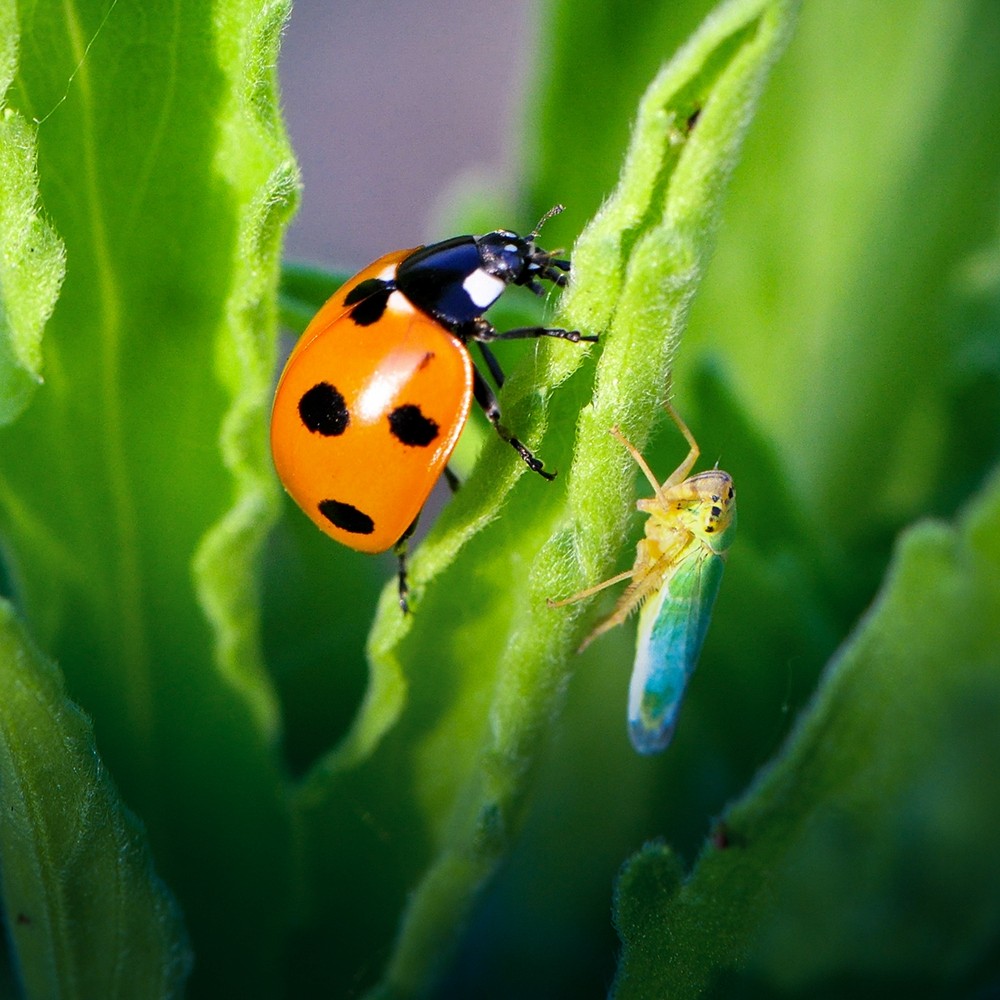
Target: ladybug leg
[485,333]
[551,270]
[523,332]
[486,398]
[491,362]
[451,479]
[401,576]
[400,549]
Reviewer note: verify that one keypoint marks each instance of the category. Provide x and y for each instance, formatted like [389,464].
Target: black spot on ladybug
[716,512]
[323,410]
[371,296]
[730,493]
[347,517]
[410,426]
[364,289]
[709,529]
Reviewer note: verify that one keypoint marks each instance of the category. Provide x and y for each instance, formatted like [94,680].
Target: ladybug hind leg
[400,550]
[454,483]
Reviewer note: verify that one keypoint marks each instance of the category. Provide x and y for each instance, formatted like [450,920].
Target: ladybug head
[517,260]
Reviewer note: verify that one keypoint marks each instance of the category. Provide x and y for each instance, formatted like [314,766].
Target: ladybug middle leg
[487,399]
[483,332]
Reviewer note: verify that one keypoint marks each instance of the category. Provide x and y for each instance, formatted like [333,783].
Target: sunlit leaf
[136,489]
[31,256]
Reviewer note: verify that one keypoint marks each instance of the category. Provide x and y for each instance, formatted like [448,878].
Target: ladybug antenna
[554,210]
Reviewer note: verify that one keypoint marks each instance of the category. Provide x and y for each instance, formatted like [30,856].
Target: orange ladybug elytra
[375,394]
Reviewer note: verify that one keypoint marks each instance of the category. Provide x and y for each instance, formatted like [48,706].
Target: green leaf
[32,261]
[136,490]
[88,916]
[430,784]
[598,61]
[304,288]
[856,856]
[852,311]
[836,298]
[840,360]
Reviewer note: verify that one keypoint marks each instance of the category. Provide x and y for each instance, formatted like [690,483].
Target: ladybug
[377,390]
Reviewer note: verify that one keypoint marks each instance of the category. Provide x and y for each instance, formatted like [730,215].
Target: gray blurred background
[389,105]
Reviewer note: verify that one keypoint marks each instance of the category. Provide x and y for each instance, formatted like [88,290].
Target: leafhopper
[678,568]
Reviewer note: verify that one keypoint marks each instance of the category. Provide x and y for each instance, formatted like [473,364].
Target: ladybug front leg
[486,398]
[483,331]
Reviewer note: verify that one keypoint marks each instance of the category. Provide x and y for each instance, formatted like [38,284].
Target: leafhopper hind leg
[617,616]
[618,577]
[589,591]
[646,576]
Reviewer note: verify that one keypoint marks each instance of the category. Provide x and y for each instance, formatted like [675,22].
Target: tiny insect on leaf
[675,581]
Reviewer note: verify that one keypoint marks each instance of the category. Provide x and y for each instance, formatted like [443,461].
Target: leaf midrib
[124,602]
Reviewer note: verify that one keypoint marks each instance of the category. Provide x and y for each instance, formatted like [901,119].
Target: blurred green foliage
[460,820]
